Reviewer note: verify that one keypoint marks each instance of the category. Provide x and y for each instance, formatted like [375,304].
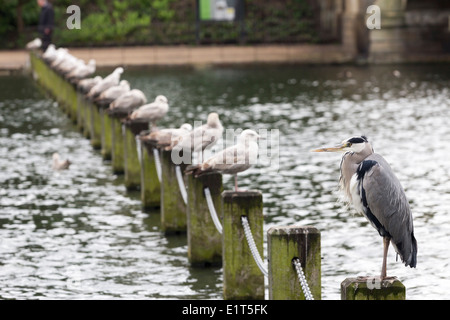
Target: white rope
[302,279]
[157,163]
[139,150]
[181,183]
[212,210]
[252,246]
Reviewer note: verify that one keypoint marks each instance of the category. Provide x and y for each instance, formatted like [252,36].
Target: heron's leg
[386,241]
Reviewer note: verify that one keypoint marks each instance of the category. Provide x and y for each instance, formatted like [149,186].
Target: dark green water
[79,234]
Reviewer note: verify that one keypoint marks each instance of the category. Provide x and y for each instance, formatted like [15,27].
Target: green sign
[218,10]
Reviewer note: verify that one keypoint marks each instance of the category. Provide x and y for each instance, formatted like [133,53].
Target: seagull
[152,111]
[70,64]
[49,54]
[129,101]
[83,70]
[34,44]
[163,137]
[61,54]
[232,160]
[111,94]
[85,85]
[202,137]
[107,82]
[59,164]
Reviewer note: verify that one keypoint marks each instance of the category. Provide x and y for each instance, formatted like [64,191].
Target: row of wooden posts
[119,141]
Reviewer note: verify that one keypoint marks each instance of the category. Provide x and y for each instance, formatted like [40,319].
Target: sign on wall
[218,10]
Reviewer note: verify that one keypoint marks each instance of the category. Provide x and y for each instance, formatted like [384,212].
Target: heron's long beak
[339,148]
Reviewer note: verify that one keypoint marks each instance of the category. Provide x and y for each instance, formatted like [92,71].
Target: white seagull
[129,100]
[111,94]
[58,164]
[85,85]
[163,137]
[152,111]
[107,82]
[202,137]
[231,160]
[83,70]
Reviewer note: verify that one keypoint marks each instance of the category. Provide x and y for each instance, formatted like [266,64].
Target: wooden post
[96,126]
[80,112]
[285,243]
[372,288]
[173,208]
[72,101]
[106,136]
[204,241]
[117,149]
[150,185]
[85,109]
[242,279]
[131,161]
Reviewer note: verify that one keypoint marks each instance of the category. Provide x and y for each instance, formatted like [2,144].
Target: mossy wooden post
[132,165]
[204,241]
[74,103]
[117,148]
[106,136]
[86,118]
[242,278]
[80,112]
[150,185]
[285,243]
[173,208]
[95,126]
[372,288]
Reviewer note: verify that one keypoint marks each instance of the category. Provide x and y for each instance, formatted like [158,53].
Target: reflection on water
[79,234]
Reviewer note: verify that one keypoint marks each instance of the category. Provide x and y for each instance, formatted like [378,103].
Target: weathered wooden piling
[372,288]
[117,147]
[242,278]
[80,112]
[200,226]
[132,166]
[173,208]
[85,110]
[106,134]
[285,243]
[95,126]
[150,185]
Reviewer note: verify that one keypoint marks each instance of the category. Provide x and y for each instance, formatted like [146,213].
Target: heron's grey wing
[386,206]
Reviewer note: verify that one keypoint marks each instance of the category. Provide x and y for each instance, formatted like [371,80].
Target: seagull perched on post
[163,137]
[112,93]
[200,138]
[152,111]
[129,101]
[369,184]
[107,82]
[231,160]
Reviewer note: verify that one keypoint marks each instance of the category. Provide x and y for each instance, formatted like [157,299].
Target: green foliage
[144,22]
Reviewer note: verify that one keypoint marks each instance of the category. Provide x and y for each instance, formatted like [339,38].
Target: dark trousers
[46,40]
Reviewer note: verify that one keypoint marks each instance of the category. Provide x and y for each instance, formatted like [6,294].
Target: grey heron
[370,185]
